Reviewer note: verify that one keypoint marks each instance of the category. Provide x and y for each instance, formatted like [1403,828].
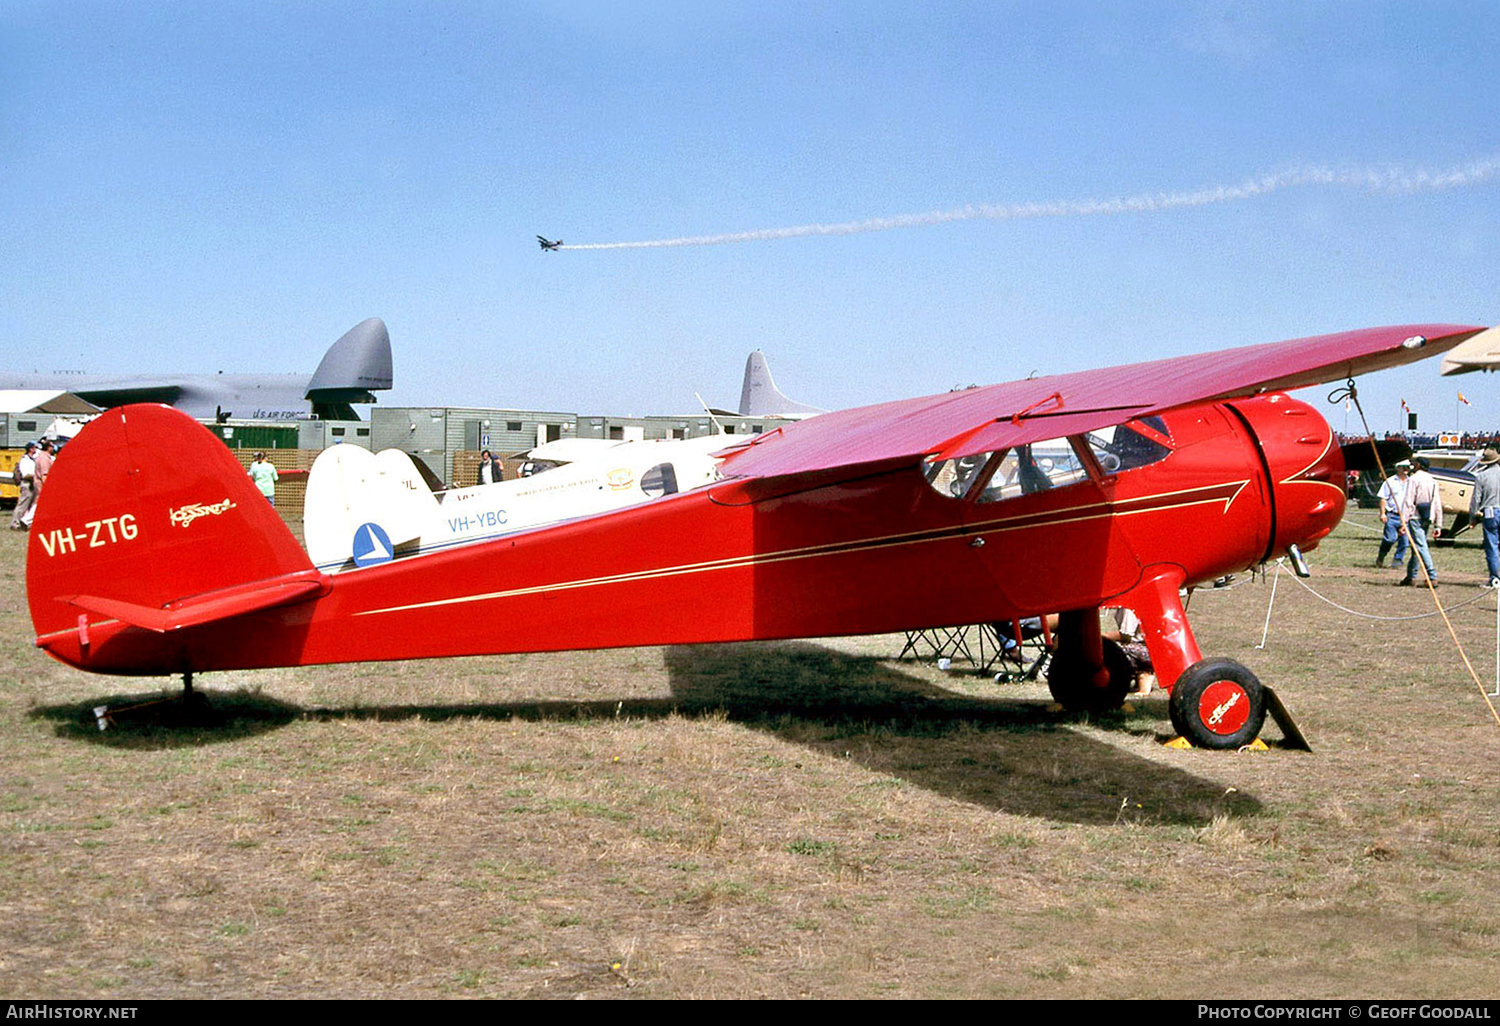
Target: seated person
[1128,635]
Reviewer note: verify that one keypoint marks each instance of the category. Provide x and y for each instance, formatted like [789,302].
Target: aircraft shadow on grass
[1010,755]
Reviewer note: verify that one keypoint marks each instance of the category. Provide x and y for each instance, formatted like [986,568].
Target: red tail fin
[145,509]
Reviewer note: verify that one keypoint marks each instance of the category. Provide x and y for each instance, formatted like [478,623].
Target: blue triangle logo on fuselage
[372,545]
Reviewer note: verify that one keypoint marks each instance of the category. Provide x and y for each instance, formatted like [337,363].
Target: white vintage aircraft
[363,508]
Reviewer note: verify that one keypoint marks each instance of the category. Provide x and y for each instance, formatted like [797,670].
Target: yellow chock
[1254,746]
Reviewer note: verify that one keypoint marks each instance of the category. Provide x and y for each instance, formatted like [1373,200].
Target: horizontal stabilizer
[201,609]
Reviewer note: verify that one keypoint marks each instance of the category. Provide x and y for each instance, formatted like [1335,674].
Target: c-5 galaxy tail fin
[355,366]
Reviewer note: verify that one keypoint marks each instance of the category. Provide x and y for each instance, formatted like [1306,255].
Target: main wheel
[1218,703]
[1069,679]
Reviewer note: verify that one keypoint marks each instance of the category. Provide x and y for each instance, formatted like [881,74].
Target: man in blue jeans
[1423,513]
[1392,499]
[1487,501]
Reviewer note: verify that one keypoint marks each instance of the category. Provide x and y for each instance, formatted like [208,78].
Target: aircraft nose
[1307,472]
[1305,466]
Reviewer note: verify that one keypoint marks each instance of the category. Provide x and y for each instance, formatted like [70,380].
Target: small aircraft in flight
[548,244]
[155,554]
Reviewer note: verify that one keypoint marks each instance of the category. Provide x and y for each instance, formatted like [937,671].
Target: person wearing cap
[1392,498]
[26,481]
[1487,501]
[1424,514]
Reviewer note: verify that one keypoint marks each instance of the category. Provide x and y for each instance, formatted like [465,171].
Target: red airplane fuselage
[1240,481]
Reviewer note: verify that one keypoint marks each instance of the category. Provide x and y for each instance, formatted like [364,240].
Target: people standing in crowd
[20,519]
[1487,501]
[1423,513]
[489,472]
[43,468]
[44,457]
[264,474]
[1392,497]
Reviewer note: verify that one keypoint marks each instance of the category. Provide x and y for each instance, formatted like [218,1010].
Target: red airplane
[152,552]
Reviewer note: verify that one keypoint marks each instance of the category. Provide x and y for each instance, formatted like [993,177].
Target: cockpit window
[660,480]
[1121,448]
[954,478]
[1053,463]
[1155,424]
[1036,467]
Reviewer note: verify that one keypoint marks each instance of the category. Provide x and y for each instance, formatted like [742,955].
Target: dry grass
[768,820]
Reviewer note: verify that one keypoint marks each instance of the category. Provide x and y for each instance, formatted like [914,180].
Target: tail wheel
[1218,703]
[1070,679]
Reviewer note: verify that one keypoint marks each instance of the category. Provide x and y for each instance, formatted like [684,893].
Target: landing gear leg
[1215,703]
[194,703]
[1088,673]
[1157,602]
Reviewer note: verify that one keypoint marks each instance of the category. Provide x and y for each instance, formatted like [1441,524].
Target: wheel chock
[1254,746]
[1293,737]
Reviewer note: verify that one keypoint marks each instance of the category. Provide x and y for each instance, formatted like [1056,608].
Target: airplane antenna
[719,428]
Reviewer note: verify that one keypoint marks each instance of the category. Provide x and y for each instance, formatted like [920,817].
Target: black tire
[1218,703]
[1069,680]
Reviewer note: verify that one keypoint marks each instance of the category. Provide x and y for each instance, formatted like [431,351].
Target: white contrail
[1389,180]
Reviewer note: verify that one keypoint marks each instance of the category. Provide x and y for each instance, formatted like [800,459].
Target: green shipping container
[242,436]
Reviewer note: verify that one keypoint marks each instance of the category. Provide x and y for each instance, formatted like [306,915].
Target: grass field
[767,820]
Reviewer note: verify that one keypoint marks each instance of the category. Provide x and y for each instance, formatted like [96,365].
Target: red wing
[978,420]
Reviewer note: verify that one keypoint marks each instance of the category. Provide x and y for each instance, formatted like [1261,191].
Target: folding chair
[1031,631]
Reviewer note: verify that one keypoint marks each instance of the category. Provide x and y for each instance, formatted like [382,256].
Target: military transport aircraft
[154,554]
[548,244]
[354,367]
[759,396]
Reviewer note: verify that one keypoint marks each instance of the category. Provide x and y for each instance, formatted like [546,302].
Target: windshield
[1052,463]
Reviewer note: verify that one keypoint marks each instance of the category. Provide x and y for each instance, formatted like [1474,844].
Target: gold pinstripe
[1093,512]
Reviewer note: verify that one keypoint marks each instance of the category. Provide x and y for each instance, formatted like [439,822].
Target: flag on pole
[1405,408]
[1463,400]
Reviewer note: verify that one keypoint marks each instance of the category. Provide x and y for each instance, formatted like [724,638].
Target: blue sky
[233,185]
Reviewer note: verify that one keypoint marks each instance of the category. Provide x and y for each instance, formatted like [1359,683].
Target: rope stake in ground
[1269,605]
